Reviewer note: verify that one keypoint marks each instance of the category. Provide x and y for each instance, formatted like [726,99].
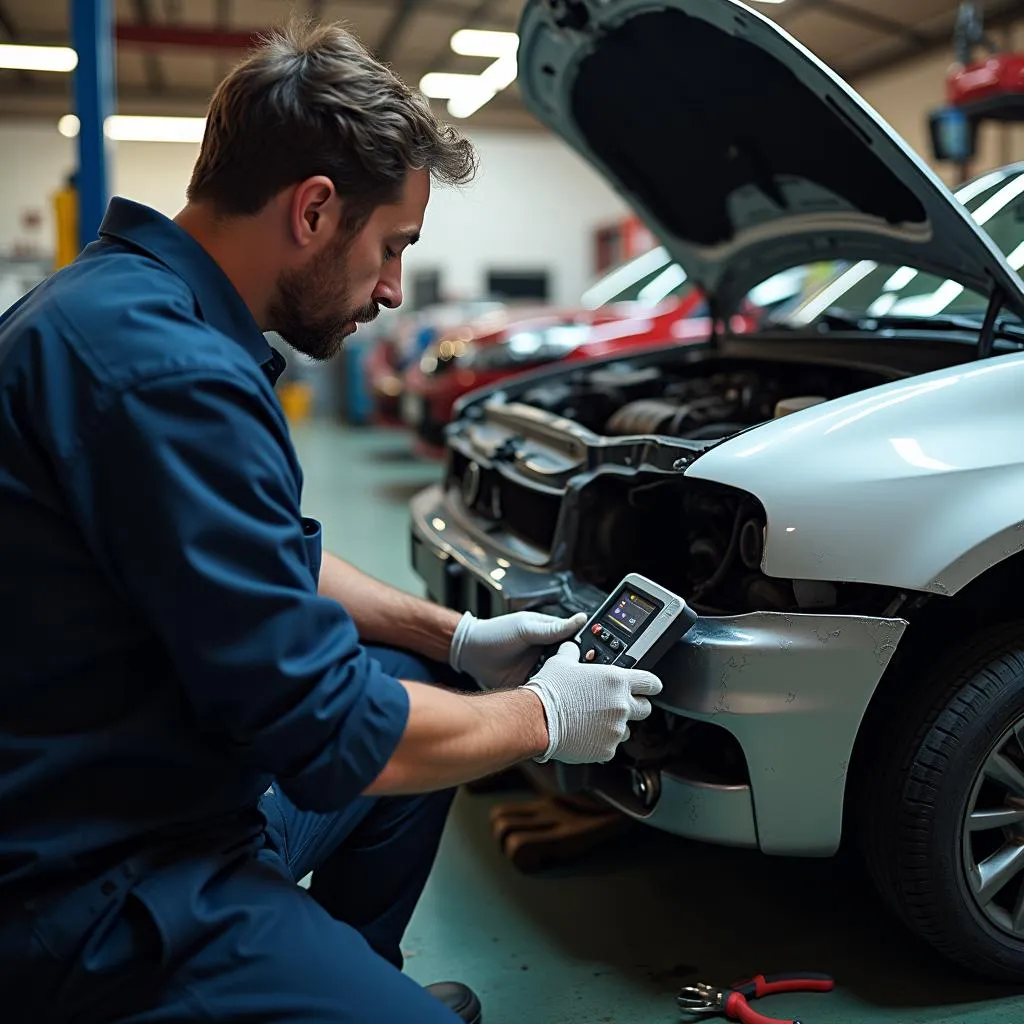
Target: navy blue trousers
[244,942]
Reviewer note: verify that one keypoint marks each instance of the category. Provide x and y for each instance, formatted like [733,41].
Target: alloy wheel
[993,834]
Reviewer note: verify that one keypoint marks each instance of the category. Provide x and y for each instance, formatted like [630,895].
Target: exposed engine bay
[699,539]
[709,401]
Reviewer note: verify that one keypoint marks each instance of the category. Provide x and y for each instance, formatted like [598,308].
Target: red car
[403,343]
[637,303]
[653,306]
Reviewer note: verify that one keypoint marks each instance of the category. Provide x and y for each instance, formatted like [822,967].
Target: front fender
[917,484]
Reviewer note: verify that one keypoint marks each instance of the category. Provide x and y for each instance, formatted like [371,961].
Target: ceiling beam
[395,27]
[997,14]
[185,36]
[12,34]
[6,25]
[154,70]
[223,21]
[444,56]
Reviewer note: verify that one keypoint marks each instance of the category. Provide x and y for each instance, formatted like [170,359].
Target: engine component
[815,593]
[705,557]
[791,405]
[763,594]
[646,785]
[647,416]
[621,375]
[752,543]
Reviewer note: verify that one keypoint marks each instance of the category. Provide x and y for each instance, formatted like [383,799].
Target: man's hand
[500,652]
[569,711]
[589,707]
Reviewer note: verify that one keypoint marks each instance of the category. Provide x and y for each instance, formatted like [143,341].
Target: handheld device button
[590,655]
[595,629]
[615,644]
[605,635]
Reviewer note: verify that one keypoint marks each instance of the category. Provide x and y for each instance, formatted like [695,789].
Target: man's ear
[313,211]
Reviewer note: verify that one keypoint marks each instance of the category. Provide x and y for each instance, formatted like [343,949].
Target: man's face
[321,303]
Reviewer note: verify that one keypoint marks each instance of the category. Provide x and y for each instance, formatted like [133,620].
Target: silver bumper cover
[791,689]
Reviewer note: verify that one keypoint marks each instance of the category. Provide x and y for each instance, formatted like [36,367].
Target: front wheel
[944,830]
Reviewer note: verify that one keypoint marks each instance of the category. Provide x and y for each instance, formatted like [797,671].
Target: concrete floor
[612,938]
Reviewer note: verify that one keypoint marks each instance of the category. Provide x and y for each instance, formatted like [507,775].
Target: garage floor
[612,938]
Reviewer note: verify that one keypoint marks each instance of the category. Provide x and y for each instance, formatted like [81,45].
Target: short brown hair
[311,99]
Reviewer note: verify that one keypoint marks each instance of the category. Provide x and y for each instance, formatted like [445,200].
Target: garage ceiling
[171,53]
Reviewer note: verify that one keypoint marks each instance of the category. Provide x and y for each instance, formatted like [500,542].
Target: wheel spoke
[1003,770]
[1018,912]
[994,872]
[1003,817]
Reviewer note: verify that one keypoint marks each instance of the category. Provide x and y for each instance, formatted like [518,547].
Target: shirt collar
[218,299]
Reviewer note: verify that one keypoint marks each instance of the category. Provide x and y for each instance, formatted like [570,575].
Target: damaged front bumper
[790,690]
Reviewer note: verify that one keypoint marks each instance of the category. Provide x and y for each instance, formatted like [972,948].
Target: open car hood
[741,150]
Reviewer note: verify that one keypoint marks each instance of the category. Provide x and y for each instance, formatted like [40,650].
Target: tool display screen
[631,610]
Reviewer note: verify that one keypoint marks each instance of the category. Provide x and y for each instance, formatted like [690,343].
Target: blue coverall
[186,726]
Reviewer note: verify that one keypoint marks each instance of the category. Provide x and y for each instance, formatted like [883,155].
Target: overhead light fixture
[474,42]
[466,94]
[484,87]
[440,85]
[37,58]
[139,128]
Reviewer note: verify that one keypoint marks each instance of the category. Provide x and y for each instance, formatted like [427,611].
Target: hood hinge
[571,14]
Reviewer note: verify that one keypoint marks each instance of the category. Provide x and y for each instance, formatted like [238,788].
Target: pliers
[706,1000]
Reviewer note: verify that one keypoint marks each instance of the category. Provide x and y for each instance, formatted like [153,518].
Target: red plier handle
[737,1008]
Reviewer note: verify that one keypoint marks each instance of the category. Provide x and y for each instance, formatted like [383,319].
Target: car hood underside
[744,153]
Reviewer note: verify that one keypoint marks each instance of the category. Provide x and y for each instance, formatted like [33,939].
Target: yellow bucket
[296,400]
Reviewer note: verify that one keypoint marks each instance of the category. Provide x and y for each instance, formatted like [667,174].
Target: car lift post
[92,36]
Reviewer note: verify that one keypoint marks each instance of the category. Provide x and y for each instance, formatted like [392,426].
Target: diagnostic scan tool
[638,623]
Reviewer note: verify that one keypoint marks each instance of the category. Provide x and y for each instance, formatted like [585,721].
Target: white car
[839,494]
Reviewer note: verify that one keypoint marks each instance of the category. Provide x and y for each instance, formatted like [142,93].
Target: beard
[306,312]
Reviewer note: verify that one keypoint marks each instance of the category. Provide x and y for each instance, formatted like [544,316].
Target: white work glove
[500,652]
[588,706]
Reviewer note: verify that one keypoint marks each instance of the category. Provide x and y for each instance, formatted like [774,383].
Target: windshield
[648,279]
[868,289]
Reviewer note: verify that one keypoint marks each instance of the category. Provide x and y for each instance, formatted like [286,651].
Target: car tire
[953,752]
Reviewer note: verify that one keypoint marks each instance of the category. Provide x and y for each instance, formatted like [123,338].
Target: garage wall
[533,205]
[906,94]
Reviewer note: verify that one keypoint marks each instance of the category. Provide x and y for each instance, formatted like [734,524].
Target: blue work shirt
[165,653]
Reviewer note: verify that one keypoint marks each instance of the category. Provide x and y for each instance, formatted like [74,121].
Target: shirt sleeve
[189,492]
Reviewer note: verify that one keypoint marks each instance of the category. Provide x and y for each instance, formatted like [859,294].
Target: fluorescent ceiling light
[439,85]
[38,58]
[501,74]
[473,42]
[483,88]
[466,104]
[132,128]
[466,94]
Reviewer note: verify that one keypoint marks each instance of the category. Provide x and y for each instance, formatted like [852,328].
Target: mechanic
[197,706]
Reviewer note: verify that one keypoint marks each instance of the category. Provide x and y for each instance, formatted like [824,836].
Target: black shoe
[460,999]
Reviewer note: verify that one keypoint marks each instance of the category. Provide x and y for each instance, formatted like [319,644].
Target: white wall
[533,204]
